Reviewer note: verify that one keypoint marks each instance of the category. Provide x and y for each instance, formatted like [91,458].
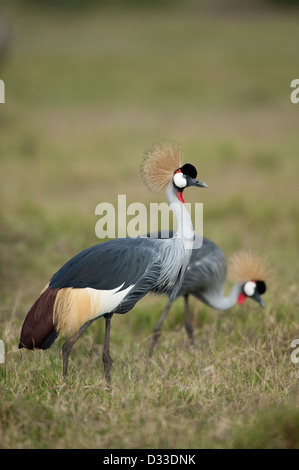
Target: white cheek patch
[249,288]
[179,180]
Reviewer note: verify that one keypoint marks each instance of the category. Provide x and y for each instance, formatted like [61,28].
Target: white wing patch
[105,301]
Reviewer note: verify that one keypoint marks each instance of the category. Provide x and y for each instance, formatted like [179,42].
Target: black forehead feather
[189,170]
[261,287]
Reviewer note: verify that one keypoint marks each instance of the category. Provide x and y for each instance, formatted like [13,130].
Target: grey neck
[184,228]
[218,301]
[176,251]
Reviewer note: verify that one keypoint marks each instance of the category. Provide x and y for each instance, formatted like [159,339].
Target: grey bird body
[205,279]
[206,272]
[205,275]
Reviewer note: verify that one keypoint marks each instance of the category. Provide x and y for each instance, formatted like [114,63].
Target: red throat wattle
[180,196]
[180,193]
[241,298]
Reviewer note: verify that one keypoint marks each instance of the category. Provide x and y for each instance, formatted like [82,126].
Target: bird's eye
[180,180]
[249,288]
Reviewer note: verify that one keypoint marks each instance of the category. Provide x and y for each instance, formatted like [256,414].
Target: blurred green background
[89,86]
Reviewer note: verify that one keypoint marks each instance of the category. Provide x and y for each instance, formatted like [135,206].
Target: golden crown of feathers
[160,163]
[247,265]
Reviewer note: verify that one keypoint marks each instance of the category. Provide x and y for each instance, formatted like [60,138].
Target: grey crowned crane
[113,276]
[205,279]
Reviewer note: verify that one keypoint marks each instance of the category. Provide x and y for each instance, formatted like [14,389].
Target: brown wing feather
[39,324]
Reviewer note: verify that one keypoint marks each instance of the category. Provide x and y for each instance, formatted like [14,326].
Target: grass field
[86,93]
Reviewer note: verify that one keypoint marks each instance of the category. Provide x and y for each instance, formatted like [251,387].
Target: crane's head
[184,177]
[162,166]
[253,290]
[252,272]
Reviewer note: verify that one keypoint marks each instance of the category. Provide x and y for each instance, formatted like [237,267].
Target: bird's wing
[206,271]
[106,278]
[129,265]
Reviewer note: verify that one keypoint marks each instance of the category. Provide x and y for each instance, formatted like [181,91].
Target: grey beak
[262,304]
[195,182]
[259,300]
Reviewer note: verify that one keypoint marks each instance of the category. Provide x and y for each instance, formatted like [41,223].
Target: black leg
[157,329]
[188,325]
[67,347]
[107,360]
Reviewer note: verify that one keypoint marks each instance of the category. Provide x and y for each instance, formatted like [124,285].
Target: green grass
[86,93]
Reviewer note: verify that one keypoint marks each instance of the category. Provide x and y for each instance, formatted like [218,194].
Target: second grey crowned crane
[205,279]
[113,276]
